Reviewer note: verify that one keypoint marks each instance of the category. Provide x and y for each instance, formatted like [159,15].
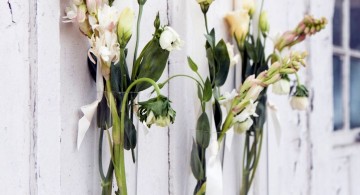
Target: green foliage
[195,162]
[150,64]
[203,131]
[192,65]
[222,63]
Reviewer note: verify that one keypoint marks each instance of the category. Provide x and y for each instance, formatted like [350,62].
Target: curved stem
[119,133]
[100,155]
[138,32]
[182,75]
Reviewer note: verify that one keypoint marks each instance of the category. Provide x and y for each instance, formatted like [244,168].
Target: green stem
[138,32]
[102,175]
[182,75]
[257,158]
[206,23]
[297,79]
[226,126]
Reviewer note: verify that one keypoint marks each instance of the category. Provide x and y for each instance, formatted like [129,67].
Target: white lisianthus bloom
[238,22]
[163,121]
[281,87]
[170,39]
[71,13]
[150,119]
[234,59]
[299,103]
[107,18]
[249,5]
[227,99]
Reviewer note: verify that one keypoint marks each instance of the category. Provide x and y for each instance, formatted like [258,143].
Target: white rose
[299,103]
[170,39]
[281,87]
[234,59]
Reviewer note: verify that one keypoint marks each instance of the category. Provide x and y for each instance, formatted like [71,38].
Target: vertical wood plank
[152,167]
[15,94]
[48,97]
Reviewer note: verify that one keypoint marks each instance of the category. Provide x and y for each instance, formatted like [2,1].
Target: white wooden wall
[44,80]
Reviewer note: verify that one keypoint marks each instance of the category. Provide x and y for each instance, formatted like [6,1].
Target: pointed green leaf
[207,94]
[192,65]
[203,131]
[223,63]
[196,165]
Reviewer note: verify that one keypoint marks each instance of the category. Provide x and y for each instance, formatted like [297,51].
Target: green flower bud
[125,25]
[264,23]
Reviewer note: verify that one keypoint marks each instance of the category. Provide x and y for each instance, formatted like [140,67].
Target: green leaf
[217,116]
[130,134]
[210,38]
[199,92]
[196,165]
[103,115]
[203,131]
[207,94]
[250,49]
[192,65]
[223,63]
[151,64]
[211,61]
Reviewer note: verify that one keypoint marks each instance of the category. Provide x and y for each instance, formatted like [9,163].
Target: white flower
[150,119]
[281,87]
[299,103]
[227,98]
[71,13]
[241,127]
[93,5]
[81,14]
[234,59]
[78,2]
[106,48]
[249,5]
[107,18]
[170,39]
[238,22]
[163,121]
[264,23]
[242,122]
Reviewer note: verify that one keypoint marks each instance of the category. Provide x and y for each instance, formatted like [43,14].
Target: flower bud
[299,103]
[239,25]
[205,4]
[249,6]
[264,23]
[250,80]
[281,87]
[92,6]
[254,92]
[125,25]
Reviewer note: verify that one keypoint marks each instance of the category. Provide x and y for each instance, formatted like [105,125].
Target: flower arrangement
[109,32]
[247,107]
